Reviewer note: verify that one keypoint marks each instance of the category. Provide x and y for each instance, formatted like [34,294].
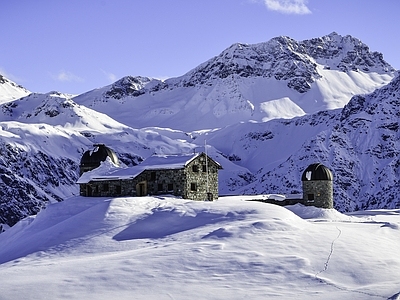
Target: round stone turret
[91,159]
[318,186]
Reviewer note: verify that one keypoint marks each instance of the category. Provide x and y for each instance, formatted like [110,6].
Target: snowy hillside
[166,248]
[360,144]
[10,90]
[281,78]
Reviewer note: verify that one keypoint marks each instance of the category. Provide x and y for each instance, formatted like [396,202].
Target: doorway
[141,189]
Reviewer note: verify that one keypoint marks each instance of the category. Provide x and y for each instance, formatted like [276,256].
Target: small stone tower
[91,159]
[318,186]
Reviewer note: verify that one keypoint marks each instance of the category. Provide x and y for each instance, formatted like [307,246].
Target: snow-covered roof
[178,161]
[109,171]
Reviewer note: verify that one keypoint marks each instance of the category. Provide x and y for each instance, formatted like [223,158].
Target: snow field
[168,248]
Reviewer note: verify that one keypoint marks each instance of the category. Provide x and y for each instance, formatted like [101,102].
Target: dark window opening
[105,187]
[153,176]
[310,197]
[160,187]
[118,190]
[210,196]
[204,168]
[170,187]
[195,168]
[193,186]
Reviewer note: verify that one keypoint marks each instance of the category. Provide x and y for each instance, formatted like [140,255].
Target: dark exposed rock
[127,86]
[286,59]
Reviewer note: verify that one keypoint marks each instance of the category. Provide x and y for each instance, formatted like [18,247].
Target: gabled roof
[109,171]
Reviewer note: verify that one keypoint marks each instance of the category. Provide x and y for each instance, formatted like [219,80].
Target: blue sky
[74,46]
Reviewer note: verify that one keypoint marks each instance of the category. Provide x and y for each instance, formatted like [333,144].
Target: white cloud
[110,76]
[66,76]
[298,7]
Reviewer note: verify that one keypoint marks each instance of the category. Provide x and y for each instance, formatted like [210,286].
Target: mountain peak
[345,53]
[9,90]
[127,86]
[284,58]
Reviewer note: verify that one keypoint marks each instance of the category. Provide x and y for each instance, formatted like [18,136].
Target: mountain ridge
[259,82]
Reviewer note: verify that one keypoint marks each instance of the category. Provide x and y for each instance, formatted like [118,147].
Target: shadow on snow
[162,223]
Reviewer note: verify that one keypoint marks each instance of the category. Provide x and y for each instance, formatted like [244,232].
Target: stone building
[192,176]
[317,186]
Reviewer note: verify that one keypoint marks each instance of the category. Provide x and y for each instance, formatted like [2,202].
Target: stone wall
[103,188]
[318,193]
[196,174]
[164,181]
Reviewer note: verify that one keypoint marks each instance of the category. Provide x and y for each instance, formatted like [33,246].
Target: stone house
[191,176]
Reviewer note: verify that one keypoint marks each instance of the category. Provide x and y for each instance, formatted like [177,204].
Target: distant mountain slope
[359,143]
[281,78]
[10,90]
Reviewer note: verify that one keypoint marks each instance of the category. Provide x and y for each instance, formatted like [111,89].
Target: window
[170,187]
[310,197]
[160,187]
[105,187]
[193,186]
[118,190]
[195,168]
[153,176]
[204,168]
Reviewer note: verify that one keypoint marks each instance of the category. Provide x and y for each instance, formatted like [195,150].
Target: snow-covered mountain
[281,78]
[243,104]
[9,90]
[360,143]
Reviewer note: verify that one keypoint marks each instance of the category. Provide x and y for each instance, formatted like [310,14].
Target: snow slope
[167,248]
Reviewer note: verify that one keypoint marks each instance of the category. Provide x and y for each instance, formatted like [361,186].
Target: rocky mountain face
[295,62]
[278,78]
[30,179]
